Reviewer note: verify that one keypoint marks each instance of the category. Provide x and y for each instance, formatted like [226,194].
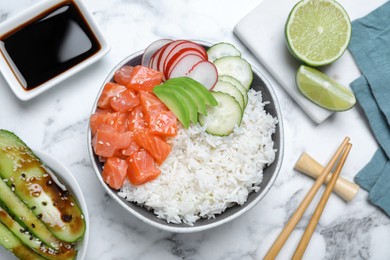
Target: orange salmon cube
[115,172]
[144,78]
[141,168]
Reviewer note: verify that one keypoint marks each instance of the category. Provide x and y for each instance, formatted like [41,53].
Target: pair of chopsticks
[342,151]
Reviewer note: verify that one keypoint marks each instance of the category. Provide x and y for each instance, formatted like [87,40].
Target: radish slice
[165,53]
[205,73]
[184,65]
[157,56]
[191,45]
[151,49]
[182,47]
[177,58]
[153,61]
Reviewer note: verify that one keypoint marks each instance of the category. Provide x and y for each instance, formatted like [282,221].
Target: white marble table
[56,122]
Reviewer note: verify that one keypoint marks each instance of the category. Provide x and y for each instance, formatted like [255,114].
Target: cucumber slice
[32,183]
[228,88]
[32,242]
[222,119]
[237,68]
[222,49]
[26,216]
[237,84]
[13,244]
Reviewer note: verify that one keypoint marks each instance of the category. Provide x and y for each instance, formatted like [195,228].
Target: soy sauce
[49,45]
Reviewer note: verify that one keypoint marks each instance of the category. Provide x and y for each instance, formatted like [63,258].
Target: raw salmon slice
[110,90]
[141,168]
[117,120]
[115,172]
[153,144]
[107,141]
[151,103]
[144,78]
[124,101]
[162,123]
[136,119]
[122,75]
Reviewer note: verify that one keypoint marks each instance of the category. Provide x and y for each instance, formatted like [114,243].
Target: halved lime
[324,91]
[318,31]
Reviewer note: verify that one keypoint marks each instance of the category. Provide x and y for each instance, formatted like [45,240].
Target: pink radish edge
[184,65]
[205,73]
[177,59]
[151,49]
[165,53]
[182,47]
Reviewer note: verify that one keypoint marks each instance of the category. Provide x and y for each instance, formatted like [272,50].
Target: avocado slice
[32,242]
[32,183]
[175,103]
[13,244]
[188,101]
[189,94]
[196,87]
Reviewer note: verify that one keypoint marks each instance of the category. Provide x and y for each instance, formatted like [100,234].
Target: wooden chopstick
[300,250]
[289,227]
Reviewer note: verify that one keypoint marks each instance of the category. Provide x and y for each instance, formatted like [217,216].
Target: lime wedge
[318,31]
[324,91]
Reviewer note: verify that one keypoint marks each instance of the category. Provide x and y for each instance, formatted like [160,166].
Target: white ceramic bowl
[269,176]
[65,177]
[29,14]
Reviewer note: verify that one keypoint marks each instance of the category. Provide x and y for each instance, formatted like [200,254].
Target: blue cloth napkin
[370,47]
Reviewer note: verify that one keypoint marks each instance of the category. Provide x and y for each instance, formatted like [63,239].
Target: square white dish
[14,23]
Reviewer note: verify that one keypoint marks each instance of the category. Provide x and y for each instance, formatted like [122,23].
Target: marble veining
[57,122]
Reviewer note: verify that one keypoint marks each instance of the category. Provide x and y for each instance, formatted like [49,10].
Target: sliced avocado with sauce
[13,244]
[32,183]
[175,103]
[34,243]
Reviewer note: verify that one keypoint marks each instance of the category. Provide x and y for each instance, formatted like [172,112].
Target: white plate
[65,177]
[27,15]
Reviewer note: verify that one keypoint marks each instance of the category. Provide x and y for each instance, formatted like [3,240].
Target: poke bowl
[269,172]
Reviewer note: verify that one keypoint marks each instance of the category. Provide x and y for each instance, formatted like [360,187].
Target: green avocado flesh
[175,103]
[39,195]
[189,94]
[195,87]
[186,98]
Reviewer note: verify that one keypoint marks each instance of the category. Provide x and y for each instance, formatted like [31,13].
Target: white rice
[205,174]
